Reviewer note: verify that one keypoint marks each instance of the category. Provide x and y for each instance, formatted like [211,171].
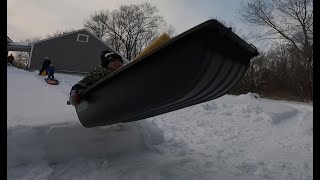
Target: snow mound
[249,96]
[66,141]
[278,114]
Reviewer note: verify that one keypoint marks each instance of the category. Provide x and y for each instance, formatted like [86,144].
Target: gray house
[77,51]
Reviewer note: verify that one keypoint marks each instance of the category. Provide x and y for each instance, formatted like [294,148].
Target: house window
[82,38]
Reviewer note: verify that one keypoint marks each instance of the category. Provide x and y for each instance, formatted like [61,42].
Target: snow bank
[42,127]
[244,135]
[63,142]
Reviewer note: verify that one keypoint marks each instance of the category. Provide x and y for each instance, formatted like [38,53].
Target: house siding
[66,53]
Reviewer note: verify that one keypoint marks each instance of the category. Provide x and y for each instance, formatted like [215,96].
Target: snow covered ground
[231,138]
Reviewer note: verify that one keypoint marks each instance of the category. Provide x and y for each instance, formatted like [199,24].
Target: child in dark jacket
[45,65]
[110,62]
[50,71]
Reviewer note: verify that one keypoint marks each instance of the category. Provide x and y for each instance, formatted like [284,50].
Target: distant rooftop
[9,40]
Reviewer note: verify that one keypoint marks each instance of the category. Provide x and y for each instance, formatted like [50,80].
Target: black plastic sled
[199,65]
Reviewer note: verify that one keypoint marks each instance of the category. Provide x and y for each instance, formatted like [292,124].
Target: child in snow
[10,59]
[50,71]
[45,65]
[109,63]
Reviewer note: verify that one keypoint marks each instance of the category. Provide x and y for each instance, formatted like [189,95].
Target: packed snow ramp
[198,65]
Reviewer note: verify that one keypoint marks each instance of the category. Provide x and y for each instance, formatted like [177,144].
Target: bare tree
[289,21]
[253,80]
[130,28]
[21,60]
[96,23]
[277,73]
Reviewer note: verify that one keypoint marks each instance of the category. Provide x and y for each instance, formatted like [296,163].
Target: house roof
[68,33]
[9,40]
[17,46]
[64,34]
[14,46]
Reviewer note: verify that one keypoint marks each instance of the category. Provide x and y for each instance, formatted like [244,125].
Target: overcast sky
[38,18]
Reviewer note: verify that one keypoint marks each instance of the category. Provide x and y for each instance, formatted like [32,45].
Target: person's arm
[93,77]
[87,81]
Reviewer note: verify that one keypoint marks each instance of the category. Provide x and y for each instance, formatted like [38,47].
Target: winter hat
[107,56]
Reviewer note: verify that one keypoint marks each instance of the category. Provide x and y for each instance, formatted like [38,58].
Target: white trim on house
[30,55]
[83,35]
